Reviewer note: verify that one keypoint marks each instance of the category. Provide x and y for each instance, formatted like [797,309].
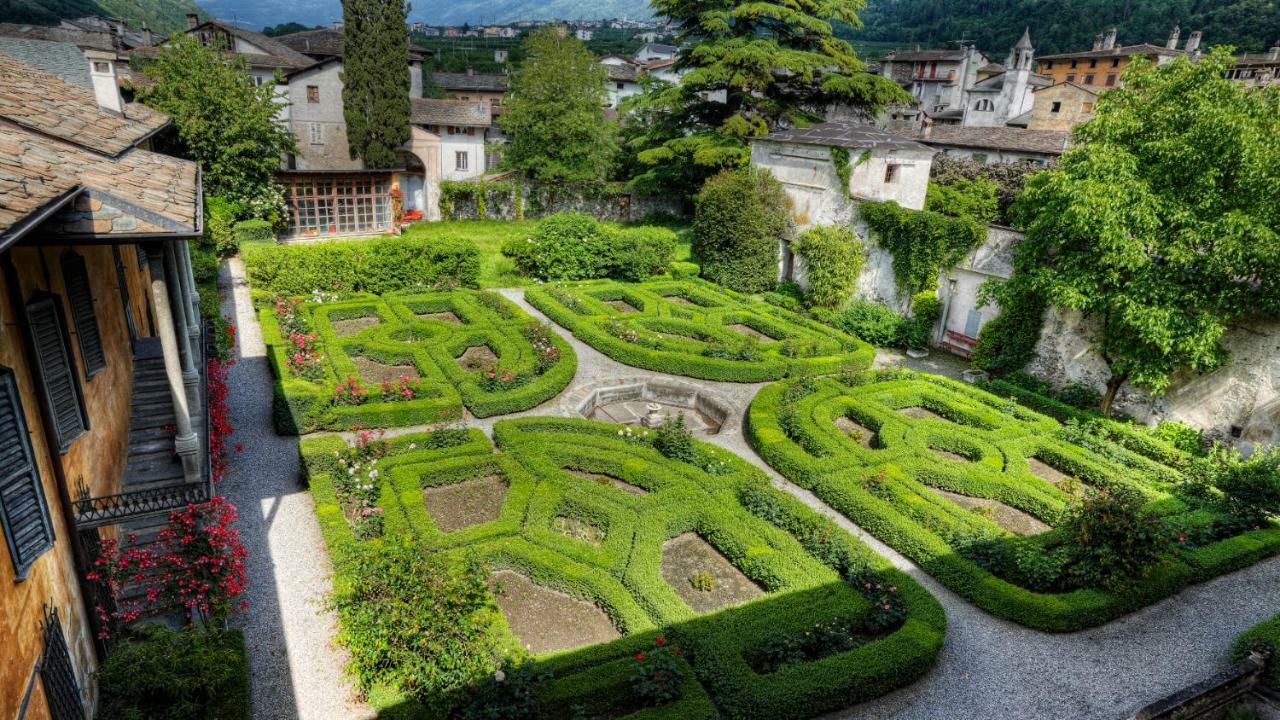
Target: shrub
[1112,540]
[506,695]
[1081,395]
[1251,488]
[1008,343]
[921,242]
[1180,435]
[637,253]
[248,232]
[162,674]
[658,674]
[220,216]
[564,246]
[926,309]
[974,199]
[1265,634]
[400,603]
[740,217]
[376,266]
[869,321]
[833,258]
[674,440]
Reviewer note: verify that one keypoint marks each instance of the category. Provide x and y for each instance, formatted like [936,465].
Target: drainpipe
[940,332]
[185,442]
[181,308]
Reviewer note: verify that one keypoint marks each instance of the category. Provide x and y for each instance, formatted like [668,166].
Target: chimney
[147,38]
[102,70]
[193,21]
[1174,36]
[337,25]
[471,72]
[1273,55]
[1109,42]
[927,132]
[1193,43]
[1097,41]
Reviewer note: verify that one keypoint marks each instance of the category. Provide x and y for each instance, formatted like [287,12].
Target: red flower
[639,657]
[660,641]
[239,447]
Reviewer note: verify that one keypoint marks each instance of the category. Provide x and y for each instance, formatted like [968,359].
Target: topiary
[926,309]
[833,258]
[564,246]
[640,252]
[869,321]
[674,440]
[740,216]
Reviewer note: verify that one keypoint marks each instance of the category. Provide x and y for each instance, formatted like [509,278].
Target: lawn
[497,271]
[973,487]
[602,544]
[697,329]
[399,360]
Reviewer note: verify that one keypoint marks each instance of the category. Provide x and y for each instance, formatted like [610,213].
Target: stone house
[996,144]
[652,52]
[1005,97]
[264,56]
[1257,69]
[1061,107]
[937,79]
[448,143]
[102,387]
[1104,64]
[471,85]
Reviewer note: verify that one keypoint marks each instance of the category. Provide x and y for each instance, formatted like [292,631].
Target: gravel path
[988,668]
[295,669]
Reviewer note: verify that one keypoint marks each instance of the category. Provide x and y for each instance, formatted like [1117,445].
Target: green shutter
[76,277]
[23,512]
[53,360]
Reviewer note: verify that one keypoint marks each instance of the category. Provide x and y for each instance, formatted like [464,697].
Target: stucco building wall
[331,152]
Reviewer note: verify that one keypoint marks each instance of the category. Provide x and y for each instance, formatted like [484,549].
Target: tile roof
[1122,51]
[430,111]
[47,104]
[82,38]
[470,81]
[328,42]
[926,56]
[1046,142]
[844,134]
[622,73]
[273,46]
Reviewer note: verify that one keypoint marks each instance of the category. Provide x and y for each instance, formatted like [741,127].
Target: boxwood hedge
[685,327]
[812,571]
[888,489]
[410,332]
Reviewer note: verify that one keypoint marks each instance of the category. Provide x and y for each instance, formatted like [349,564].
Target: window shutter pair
[53,361]
[24,513]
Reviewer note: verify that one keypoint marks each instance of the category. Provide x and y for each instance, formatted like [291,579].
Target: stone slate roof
[622,73]
[927,56]
[470,81]
[845,134]
[55,141]
[81,38]
[467,113]
[1046,142]
[1123,51]
[278,55]
[42,102]
[327,42]
[659,48]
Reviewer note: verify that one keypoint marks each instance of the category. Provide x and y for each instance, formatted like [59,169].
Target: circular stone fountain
[649,402]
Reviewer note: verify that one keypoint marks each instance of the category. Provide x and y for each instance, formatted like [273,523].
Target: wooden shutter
[57,674]
[142,255]
[76,278]
[53,359]
[23,511]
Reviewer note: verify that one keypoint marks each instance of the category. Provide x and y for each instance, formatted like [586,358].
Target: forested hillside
[1063,25]
[159,15]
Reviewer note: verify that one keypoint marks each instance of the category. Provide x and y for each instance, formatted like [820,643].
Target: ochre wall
[1062,71]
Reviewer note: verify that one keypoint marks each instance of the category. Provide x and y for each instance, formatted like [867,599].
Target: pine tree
[375,79]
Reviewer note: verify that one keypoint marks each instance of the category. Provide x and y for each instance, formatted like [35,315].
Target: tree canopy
[1162,223]
[751,66]
[375,79]
[224,121]
[555,112]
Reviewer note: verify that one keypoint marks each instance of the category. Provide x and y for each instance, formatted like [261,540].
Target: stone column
[190,375]
[185,441]
[192,304]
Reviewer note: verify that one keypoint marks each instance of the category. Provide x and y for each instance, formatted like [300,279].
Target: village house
[471,85]
[124,35]
[1103,65]
[996,144]
[264,56]
[1257,69]
[936,78]
[102,386]
[1061,107]
[651,52]
[448,143]
[1006,97]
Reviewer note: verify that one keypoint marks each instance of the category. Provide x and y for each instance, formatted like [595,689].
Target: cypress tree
[375,79]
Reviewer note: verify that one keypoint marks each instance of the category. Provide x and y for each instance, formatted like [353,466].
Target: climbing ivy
[479,192]
[840,158]
[921,242]
[1008,343]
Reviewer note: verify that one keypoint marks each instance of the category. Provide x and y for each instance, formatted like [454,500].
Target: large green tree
[1162,224]
[224,121]
[555,112]
[751,66]
[375,79]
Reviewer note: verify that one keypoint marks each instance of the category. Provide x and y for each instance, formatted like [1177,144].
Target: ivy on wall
[840,158]
[1008,343]
[478,191]
[921,242]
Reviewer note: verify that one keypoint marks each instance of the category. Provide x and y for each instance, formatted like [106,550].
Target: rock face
[1241,399]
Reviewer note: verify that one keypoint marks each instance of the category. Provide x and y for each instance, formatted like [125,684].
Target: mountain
[261,13]
[1066,25]
[159,15]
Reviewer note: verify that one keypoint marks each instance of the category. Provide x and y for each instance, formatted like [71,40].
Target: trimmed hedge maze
[459,347]
[559,474]
[969,485]
[696,329]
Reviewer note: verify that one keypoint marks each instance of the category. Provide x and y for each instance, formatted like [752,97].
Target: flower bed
[700,330]
[924,463]
[636,500]
[324,353]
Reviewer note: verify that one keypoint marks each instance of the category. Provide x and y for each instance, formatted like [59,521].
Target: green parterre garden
[984,494]
[693,328]
[407,359]
[592,510]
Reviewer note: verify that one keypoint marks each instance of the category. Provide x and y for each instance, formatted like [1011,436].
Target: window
[339,204]
[1057,107]
[1115,62]
[1048,65]
[1093,63]
[619,85]
[100,67]
[461,160]
[23,511]
[1111,80]
[80,296]
[890,174]
[58,677]
[1071,77]
[1086,107]
[313,93]
[1074,64]
[1088,79]
[315,133]
[979,158]
[63,401]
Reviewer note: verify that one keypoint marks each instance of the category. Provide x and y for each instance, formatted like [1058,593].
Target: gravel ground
[988,668]
[295,669]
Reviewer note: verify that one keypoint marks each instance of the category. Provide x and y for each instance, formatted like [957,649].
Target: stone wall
[540,201]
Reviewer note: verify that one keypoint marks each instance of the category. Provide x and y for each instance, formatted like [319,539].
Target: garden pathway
[988,669]
[295,670]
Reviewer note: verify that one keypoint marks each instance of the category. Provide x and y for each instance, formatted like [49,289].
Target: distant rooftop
[470,81]
[466,113]
[1045,142]
[1121,51]
[845,134]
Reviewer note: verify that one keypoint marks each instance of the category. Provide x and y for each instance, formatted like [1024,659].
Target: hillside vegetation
[159,15]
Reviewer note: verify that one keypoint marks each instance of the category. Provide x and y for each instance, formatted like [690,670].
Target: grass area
[497,271]
[974,486]
[548,505]
[693,328]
